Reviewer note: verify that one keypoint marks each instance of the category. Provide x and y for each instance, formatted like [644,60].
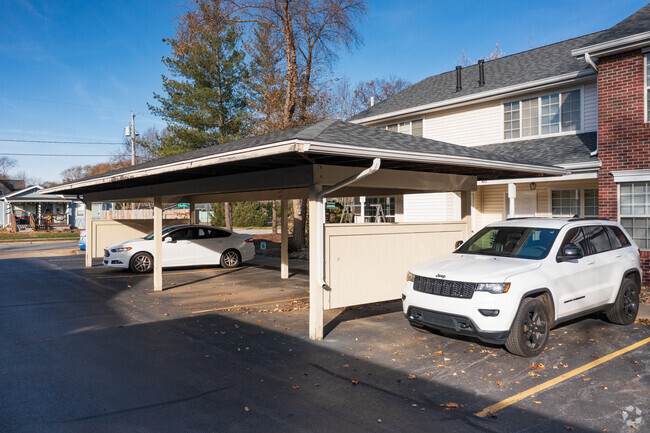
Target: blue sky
[74,70]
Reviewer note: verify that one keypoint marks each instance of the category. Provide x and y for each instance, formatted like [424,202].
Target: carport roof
[328,142]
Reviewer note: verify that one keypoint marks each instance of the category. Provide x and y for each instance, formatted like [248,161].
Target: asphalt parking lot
[226,350]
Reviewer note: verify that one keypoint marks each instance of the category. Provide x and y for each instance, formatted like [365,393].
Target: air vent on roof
[481,73]
[459,85]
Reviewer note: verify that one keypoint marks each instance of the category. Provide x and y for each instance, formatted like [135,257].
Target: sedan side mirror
[168,240]
[570,253]
[458,244]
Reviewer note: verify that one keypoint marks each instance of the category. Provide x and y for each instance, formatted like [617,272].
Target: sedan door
[210,243]
[181,251]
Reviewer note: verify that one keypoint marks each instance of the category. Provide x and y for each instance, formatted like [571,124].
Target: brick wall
[623,134]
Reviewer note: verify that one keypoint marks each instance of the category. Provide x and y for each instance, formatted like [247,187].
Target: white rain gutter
[593,65]
[320,214]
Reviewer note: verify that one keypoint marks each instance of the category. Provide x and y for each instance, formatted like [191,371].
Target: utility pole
[132,138]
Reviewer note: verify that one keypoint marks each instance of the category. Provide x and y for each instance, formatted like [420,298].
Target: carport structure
[350,264]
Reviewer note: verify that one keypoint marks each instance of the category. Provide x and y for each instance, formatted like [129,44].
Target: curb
[644,311]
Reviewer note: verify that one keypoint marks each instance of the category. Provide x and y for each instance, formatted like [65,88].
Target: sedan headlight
[493,287]
[121,250]
[410,276]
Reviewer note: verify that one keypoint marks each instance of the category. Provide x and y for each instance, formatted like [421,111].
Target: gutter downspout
[593,65]
[376,163]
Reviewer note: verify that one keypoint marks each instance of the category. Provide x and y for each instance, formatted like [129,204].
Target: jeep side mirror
[570,253]
[458,244]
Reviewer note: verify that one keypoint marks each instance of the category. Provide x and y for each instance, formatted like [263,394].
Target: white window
[412,127]
[635,211]
[547,114]
[511,119]
[380,209]
[571,202]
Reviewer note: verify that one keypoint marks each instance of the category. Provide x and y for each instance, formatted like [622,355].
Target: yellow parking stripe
[522,395]
[250,305]
[198,271]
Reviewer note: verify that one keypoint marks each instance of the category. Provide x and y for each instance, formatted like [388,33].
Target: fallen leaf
[246,408]
[451,405]
[499,383]
[411,376]
[537,402]
[568,427]
[295,387]
[355,382]
[438,352]
[539,366]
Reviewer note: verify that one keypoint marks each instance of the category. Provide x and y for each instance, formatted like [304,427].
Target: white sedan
[183,245]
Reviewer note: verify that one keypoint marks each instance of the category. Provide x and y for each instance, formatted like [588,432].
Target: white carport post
[284,243]
[316,291]
[157,237]
[89,234]
[512,194]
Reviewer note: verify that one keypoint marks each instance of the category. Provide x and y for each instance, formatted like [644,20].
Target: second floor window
[547,114]
[413,127]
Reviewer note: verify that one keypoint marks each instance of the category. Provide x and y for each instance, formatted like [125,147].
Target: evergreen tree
[205,102]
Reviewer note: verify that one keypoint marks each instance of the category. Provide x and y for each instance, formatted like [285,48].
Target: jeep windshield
[521,242]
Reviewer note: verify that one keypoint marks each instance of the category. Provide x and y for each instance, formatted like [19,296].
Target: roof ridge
[313,131]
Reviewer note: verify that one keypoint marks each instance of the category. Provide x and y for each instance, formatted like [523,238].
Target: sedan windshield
[521,242]
[165,230]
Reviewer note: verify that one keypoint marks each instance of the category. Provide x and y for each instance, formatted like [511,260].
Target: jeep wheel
[530,329]
[626,307]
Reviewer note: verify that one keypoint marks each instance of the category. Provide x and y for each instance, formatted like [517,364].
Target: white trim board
[624,176]
[577,176]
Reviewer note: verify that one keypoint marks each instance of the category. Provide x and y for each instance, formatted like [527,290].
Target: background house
[581,104]
[26,209]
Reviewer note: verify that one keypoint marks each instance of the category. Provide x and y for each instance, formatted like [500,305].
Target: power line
[57,142]
[50,154]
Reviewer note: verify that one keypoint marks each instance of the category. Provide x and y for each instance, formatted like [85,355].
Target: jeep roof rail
[577,218]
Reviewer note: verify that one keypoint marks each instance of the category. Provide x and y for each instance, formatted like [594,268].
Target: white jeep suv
[513,281]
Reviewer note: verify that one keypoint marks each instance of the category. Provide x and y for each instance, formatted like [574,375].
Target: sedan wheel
[230,259]
[141,263]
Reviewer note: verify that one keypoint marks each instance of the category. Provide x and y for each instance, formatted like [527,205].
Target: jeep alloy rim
[534,328]
[629,302]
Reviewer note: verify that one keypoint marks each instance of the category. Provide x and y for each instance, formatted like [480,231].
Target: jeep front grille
[437,286]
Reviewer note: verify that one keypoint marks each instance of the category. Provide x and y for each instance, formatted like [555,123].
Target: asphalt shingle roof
[536,64]
[639,22]
[333,132]
[558,150]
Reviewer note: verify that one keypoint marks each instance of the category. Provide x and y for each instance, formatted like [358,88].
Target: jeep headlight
[410,276]
[121,250]
[493,287]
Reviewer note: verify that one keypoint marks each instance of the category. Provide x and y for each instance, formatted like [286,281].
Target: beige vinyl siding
[491,199]
[468,126]
[591,107]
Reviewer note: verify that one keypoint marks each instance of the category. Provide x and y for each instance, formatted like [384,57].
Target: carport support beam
[157,237]
[284,243]
[316,290]
[89,234]
[192,213]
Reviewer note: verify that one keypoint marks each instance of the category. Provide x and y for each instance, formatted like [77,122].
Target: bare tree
[377,90]
[312,31]
[6,164]
[464,60]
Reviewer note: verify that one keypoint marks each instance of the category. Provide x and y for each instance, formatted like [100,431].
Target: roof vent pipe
[459,85]
[481,73]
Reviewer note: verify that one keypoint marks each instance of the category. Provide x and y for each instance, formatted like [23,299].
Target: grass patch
[6,236]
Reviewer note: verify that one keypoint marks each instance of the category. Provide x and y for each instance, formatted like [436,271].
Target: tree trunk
[274,219]
[299,214]
[227,210]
